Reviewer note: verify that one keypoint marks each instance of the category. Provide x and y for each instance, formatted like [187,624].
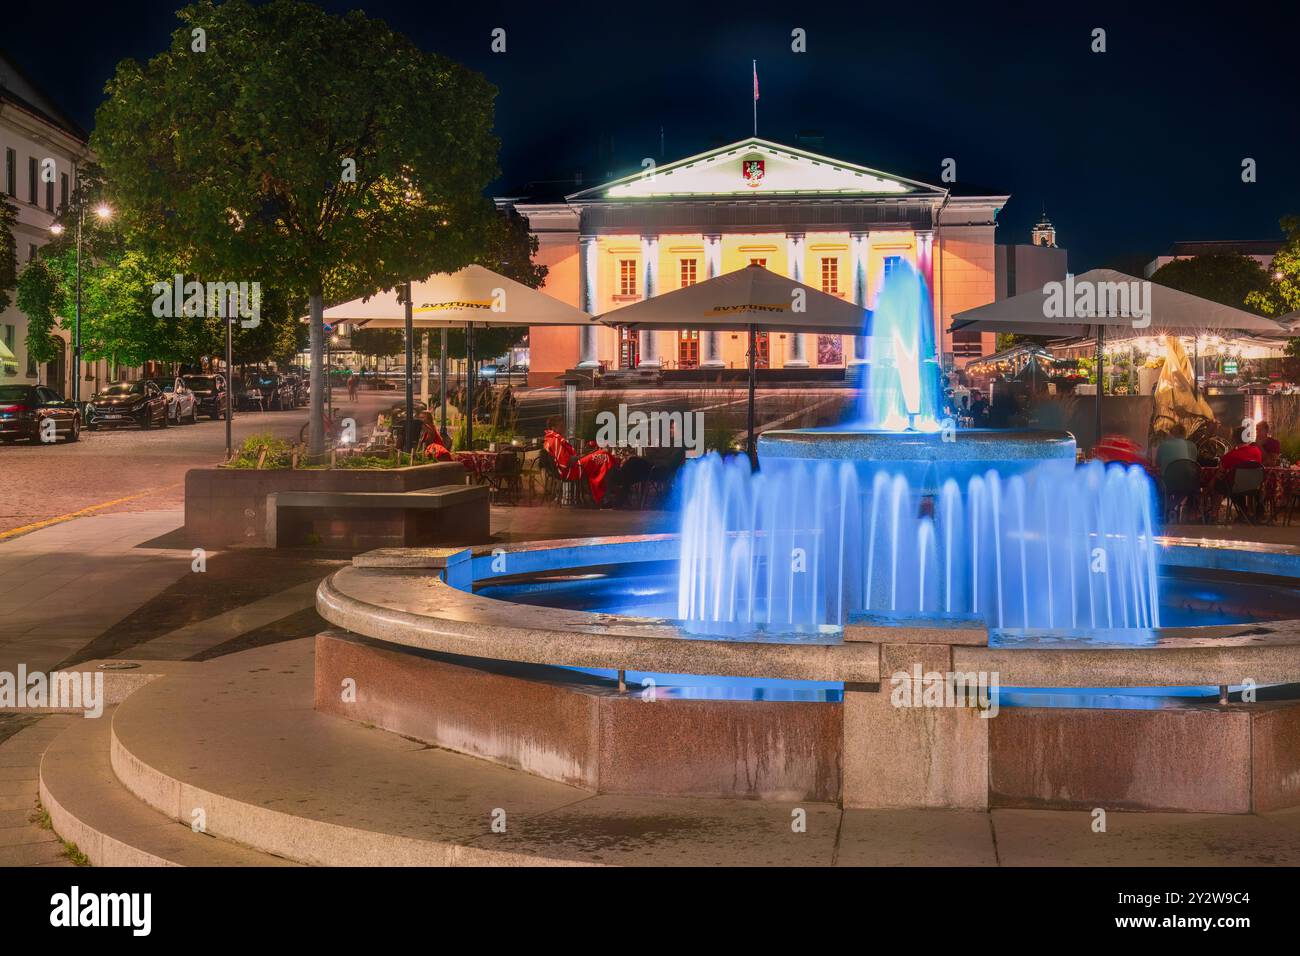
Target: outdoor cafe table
[477,463]
[1280,483]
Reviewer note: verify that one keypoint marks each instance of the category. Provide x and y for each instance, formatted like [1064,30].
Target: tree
[1283,293]
[1227,279]
[379,343]
[8,251]
[508,250]
[324,154]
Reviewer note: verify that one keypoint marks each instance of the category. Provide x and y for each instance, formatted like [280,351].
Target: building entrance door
[688,348]
[629,352]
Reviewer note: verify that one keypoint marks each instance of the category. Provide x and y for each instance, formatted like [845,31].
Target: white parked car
[182,406]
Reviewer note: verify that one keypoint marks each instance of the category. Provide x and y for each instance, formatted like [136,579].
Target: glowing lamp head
[104,212]
[57,229]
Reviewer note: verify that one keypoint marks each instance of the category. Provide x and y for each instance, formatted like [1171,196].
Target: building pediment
[755,168]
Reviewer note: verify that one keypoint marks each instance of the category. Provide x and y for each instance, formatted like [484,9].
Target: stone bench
[361,520]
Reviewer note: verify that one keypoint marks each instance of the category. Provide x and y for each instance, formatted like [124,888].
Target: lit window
[689,272]
[758,262]
[831,274]
[891,263]
[627,277]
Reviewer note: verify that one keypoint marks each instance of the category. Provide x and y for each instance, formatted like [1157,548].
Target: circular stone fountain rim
[876,445]
[400,597]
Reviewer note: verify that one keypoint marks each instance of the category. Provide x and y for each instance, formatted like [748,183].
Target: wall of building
[25,137]
[553,351]
[967,270]
[1027,268]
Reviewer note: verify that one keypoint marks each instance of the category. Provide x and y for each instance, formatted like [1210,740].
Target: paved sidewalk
[185,642]
[63,586]
[22,842]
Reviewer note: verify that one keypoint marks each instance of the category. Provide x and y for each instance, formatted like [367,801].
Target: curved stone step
[88,806]
[241,741]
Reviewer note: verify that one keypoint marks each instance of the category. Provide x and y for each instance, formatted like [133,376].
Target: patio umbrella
[472,296]
[751,300]
[1132,308]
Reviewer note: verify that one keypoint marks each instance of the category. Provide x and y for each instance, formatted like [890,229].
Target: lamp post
[105,213]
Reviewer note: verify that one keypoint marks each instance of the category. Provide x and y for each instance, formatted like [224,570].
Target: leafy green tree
[1283,294]
[1227,279]
[509,251]
[323,154]
[378,343]
[8,251]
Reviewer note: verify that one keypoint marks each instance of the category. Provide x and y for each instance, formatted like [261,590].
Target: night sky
[1130,150]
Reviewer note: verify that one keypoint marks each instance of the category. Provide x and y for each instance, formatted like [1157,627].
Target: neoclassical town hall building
[830,224]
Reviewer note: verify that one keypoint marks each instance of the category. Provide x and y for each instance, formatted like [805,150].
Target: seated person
[1119,449]
[1174,447]
[432,440]
[1243,454]
[560,449]
[596,467]
[1270,448]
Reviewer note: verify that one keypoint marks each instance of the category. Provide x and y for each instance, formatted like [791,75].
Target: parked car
[248,396]
[209,394]
[277,390]
[182,406]
[128,403]
[24,409]
[300,389]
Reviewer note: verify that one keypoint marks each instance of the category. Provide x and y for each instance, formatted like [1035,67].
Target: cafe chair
[1182,483]
[1246,484]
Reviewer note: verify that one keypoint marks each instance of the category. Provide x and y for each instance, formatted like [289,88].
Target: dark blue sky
[1130,150]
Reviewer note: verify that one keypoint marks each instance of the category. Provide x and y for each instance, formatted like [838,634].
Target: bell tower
[1044,233]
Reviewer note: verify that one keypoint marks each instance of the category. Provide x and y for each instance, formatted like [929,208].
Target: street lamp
[104,212]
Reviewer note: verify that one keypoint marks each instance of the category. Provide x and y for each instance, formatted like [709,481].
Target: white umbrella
[472,296]
[1110,301]
[748,299]
[1104,302]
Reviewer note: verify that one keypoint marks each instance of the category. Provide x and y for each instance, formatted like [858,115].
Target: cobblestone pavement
[134,470]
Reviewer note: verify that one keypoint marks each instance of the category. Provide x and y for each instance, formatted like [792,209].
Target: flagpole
[754,63]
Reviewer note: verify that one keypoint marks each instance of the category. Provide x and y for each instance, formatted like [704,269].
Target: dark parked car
[24,409]
[277,390]
[209,394]
[128,403]
[301,389]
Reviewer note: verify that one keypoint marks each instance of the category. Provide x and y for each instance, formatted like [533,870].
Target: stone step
[88,806]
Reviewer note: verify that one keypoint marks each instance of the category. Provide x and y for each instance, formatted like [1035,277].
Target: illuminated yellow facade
[829,224]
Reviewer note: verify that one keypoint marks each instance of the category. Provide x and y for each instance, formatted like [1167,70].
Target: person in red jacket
[596,466]
[1243,453]
[561,449]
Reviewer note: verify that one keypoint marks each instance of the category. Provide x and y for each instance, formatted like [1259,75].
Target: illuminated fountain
[761,652]
[900,515]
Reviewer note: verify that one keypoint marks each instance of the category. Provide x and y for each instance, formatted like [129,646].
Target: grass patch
[74,855]
[41,818]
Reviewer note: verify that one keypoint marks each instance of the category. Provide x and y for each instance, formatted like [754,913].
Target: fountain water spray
[886,518]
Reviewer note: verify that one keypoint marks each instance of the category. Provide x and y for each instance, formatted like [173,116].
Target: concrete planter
[227,506]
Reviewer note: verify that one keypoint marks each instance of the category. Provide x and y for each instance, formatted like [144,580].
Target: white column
[859,252]
[589,356]
[712,351]
[797,355]
[647,345]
